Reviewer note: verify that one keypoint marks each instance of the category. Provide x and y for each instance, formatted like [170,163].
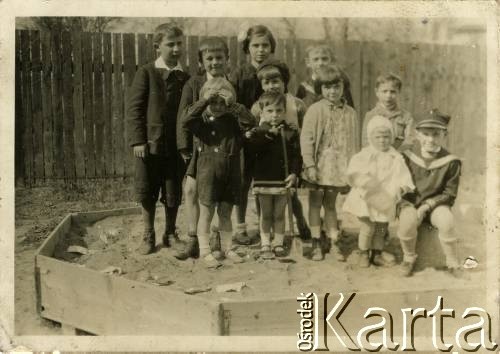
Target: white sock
[203,241]
[334,234]
[226,240]
[265,239]
[315,231]
[278,240]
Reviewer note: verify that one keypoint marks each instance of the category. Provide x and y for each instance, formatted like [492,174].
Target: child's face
[214,62]
[259,48]
[380,139]
[274,114]
[318,58]
[387,94]
[333,92]
[217,106]
[171,49]
[431,139]
[275,84]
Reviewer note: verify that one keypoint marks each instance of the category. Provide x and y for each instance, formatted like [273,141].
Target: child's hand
[141,151]
[227,96]
[209,95]
[249,133]
[312,173]
[291,180]
[422,211]
[275,130]
[186,155]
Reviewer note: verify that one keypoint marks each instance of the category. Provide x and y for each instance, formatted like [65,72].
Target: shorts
[319,187]
[157,174]
[218,178]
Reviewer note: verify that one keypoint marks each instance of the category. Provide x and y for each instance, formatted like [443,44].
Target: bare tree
[291,27]
[87,24]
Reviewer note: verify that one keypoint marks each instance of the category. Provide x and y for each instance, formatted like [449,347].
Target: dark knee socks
[148,215]
[170,219]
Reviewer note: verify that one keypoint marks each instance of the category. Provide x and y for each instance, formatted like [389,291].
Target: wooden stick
[287,173]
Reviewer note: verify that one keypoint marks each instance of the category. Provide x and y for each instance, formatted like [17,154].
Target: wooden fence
[71,89]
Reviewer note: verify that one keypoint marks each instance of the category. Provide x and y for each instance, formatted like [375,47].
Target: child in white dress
[379,177]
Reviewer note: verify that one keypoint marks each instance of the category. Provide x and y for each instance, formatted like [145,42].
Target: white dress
[378,179]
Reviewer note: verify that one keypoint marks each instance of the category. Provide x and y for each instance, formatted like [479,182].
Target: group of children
[225,133]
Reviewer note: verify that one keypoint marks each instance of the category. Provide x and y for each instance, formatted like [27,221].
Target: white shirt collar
[210,77]
[160,64]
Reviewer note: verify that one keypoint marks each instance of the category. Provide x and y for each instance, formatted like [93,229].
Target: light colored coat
[313,129]
[378,179]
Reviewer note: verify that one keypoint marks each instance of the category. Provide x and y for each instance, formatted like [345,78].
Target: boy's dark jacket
[436,180]
[224,133]
[190,94]
[153,102]
[270,159]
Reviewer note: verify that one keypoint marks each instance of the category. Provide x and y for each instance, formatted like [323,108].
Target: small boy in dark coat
[272,182]
[436,174]
[151,116]
[218,124]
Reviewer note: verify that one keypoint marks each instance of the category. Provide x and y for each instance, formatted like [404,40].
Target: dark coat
[270,157]
[246,84]
[152,105]
[190,94]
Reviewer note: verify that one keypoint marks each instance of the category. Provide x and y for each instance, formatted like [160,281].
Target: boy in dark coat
[151,116]
[436,175]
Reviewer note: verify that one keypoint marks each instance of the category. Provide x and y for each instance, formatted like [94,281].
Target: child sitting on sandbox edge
[436,174]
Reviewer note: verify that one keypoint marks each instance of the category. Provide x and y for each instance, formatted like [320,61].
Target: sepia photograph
[299,176]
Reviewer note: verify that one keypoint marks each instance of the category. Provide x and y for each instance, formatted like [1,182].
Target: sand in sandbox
[112,242]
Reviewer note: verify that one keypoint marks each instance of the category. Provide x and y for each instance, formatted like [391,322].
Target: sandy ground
[112,241]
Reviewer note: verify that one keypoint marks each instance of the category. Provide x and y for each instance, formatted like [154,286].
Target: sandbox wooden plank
[279,317]
[93,216]
[109,305]
[48,246]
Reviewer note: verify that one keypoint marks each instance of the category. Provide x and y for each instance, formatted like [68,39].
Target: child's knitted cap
[378,122]
[218,85]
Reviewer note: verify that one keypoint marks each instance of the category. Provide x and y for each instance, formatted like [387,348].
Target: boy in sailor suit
[436,175]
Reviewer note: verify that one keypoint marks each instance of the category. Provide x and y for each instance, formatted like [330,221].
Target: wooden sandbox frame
[103,304]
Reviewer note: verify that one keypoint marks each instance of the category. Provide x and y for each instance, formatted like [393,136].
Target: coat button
[212,118]
[199,149]
[213,132]
[216,150]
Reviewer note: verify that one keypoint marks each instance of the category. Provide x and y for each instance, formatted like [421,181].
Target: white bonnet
[379,122]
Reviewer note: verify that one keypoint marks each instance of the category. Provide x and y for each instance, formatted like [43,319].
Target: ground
[40,209]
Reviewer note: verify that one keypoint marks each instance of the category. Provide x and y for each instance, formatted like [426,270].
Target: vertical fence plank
[118,116]
[19,127]
[290,60]
[233,53]
[79,133]
[107,104]
[36,108]
[90,170]
[98,109]
[48,152]
[151,50]
[68,111]
[193,55]
[57,113]
[68,122]
[352,65]
[28,126]
[279,52]
[142,53]
[300,62]
[129,67]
